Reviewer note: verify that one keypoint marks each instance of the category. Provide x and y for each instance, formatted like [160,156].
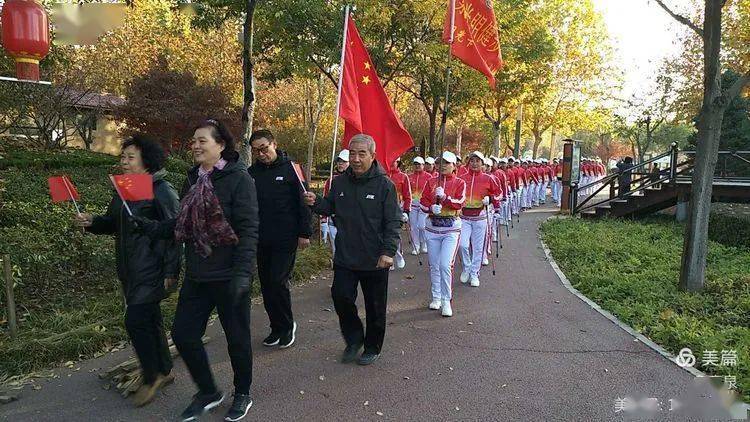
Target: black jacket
[283,216]
[142,263]
[368,217]
[235,190]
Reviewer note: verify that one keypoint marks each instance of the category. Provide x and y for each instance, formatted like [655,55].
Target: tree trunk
[314,123]
[248,104]
[552,144]
[498,127]
[537,142]
[695,248]
[459,138]
[432,114]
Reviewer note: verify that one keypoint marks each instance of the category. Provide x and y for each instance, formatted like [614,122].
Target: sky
[643,34]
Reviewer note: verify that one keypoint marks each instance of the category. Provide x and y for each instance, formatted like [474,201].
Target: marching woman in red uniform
[327,225]
[418,182]
[403,194]
[443,199]
[557,181]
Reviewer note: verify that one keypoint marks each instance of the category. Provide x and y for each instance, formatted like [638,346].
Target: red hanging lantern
[25,36]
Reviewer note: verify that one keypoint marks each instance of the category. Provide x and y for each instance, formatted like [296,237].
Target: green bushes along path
[632,268]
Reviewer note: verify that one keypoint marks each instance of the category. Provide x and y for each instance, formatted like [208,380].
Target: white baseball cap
[503,161]
[344,155]
[418,160]
[429,160]
[487,162]
[476,154]
[449,157]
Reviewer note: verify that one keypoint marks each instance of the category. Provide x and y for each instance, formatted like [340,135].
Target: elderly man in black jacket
[368,219]
[285,226]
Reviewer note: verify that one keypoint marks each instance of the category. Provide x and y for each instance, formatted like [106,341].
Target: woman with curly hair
[146,268]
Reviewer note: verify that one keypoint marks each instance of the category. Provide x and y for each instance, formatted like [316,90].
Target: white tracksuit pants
[324,232]
[442,246]
[543,192]
[556,191]
[533,196]
[515,206]
[473,244]
[417,220]
[332,230]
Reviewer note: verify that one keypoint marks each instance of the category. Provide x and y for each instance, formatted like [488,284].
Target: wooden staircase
[645,202]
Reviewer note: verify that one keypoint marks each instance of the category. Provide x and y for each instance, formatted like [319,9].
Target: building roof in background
[92,100]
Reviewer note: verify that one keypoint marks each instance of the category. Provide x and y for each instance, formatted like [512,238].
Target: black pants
[146,330]
[197,301]
[275,271]
[375,292]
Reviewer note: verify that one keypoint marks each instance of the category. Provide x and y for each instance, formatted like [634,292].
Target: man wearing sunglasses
[285,226]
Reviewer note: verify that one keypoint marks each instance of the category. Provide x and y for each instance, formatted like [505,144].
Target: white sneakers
[414,252]
[424,247]
[435,304]
[400,262]
[485,262]
[474,281]
[464,277]
[446,309]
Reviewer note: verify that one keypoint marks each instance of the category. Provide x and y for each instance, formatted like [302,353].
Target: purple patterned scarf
[201,219]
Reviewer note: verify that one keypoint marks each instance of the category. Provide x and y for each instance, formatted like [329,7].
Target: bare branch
[681,19]
[325,72]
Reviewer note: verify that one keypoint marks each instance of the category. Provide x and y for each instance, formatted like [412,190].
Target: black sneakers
[350,353]
[272,339]
[240,406]
[201,404]
[367,358]
[287,339]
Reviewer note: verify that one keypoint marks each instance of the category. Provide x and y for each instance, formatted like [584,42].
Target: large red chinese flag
[134,187]
[365,106]
[62,189]
[475,39]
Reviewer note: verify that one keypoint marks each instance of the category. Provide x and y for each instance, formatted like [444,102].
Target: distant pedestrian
[369,222]
[625,175]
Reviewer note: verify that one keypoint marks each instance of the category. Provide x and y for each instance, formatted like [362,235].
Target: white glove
[486,201]
[439,193]
[436,209]
[404,218]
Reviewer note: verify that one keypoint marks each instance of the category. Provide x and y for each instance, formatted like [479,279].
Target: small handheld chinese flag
[134,187]
[300,175]
[61,189]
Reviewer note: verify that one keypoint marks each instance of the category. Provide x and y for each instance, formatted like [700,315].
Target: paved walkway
[520,347]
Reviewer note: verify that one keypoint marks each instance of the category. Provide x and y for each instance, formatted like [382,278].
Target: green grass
[68,297]
[632,268]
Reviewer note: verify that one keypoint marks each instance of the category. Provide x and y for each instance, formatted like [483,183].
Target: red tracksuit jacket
[418,182]
[403,189]
[455,192]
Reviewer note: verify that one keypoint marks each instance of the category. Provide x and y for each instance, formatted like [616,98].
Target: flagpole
[444,119]
[338,97]
[65,182]
[124,202]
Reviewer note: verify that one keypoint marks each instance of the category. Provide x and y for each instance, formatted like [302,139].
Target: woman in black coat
[218,221]
[146,268]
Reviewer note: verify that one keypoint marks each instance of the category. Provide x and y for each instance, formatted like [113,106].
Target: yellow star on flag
[367,65]
[366,80]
